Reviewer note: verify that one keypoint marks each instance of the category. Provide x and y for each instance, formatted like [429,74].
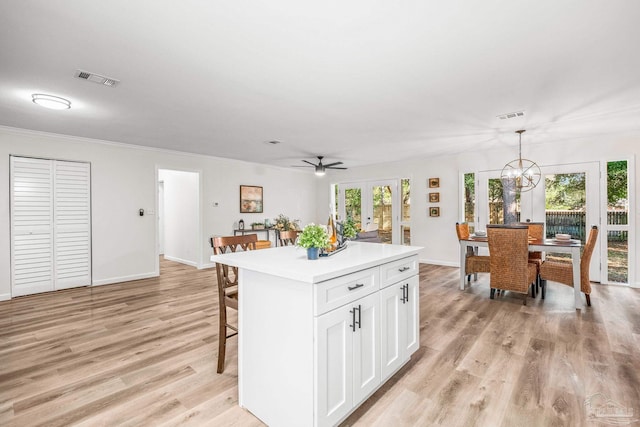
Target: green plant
[313,236]
[349,229]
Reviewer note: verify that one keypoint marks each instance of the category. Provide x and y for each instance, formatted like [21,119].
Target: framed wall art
[434,197]
[434,182]
[250,199]
[434,211]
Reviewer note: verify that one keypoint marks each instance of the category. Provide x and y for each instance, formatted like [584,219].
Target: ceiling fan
[320,168]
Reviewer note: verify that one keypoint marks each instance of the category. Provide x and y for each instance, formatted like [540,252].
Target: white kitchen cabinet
[302,360]
[348,367]
[399,324]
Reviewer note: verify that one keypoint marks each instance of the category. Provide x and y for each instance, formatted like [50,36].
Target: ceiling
[361,82]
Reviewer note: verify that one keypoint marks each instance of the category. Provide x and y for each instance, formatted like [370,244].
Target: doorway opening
[179,224]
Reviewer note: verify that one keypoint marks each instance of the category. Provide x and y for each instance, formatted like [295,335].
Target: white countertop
[291,261]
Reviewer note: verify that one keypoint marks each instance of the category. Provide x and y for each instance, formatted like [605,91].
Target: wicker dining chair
[474,263]
[288,237]
[228,286]
[561,271]
[536,232]
[509,260]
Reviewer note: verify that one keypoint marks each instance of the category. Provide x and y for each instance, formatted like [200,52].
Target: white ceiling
[359,81]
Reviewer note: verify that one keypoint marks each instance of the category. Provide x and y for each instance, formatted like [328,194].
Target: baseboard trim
[207,265]
[112,280]
[5,297]
[181,261]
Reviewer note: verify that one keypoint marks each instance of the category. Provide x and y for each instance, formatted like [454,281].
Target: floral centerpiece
[313,238]
[283,223]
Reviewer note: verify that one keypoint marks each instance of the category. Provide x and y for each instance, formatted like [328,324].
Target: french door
[370,204]
[581,182]
[50,225]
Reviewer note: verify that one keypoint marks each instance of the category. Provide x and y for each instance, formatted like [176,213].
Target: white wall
[437,235]
[124,179]
[181,215]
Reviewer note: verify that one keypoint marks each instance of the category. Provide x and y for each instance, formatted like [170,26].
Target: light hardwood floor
[144,353]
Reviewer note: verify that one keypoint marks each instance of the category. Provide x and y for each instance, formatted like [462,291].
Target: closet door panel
[32,261]
[72,219]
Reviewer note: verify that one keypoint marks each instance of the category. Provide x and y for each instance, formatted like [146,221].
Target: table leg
[575,260]
[463,256]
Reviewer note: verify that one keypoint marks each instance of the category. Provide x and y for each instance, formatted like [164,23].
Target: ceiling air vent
[97,78]
[511,115]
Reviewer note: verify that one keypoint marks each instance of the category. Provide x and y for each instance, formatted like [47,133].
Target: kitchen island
[317,338]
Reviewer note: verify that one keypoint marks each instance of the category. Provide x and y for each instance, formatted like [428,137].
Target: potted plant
[349,230]
[312,238]
[257,226]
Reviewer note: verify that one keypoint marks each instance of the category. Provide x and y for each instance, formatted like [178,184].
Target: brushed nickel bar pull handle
[358,285]
[353,319]
[403,269]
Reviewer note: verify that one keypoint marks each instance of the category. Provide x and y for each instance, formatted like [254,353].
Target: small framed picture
[250,199]
[434,182]
[434,197]
[434,211]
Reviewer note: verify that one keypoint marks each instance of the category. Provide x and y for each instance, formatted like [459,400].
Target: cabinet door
[334,368]
[366,348]
[391,319]
[411,340]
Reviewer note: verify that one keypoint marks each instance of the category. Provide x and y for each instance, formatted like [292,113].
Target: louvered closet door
[50,225]
[72,224]
[31,226]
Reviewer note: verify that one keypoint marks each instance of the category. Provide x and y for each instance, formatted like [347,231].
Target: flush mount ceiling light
[521,173]
[50,101]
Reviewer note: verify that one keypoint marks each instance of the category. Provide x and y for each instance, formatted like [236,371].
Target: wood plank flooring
[143,353]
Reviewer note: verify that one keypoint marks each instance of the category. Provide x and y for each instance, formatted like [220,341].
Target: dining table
[570,246]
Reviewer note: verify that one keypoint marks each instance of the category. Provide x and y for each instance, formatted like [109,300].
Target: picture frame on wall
[434,197]
[434,211]
[251,199]
[434,182]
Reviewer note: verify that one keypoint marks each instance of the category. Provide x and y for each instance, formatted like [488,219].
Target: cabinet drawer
[342,290]
[398,270]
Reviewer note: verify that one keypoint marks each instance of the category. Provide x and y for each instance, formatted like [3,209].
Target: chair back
[462,230]
[585,260]
[227,275]
[509,257]
[536,231]
[288,237]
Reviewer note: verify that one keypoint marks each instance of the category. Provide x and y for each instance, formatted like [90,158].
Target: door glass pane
[405,216]
[353,205]
[406,234]
[470,200]
[617,215]
[565,204]
[382,214]
[617,256]
[565,207]
[406,200]
[496,202]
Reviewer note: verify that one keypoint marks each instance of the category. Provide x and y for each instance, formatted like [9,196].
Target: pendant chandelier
[521,174]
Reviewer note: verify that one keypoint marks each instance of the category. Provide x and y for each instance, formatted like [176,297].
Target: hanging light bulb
[523,174]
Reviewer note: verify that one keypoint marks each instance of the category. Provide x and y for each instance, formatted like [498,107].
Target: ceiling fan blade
[332,164]
[312,164]
[333,167]
[303,166]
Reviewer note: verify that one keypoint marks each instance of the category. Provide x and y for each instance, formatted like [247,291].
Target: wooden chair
[509,259]
[561,271]
[474,263]
[536,232]
[288,237]
[228,286]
